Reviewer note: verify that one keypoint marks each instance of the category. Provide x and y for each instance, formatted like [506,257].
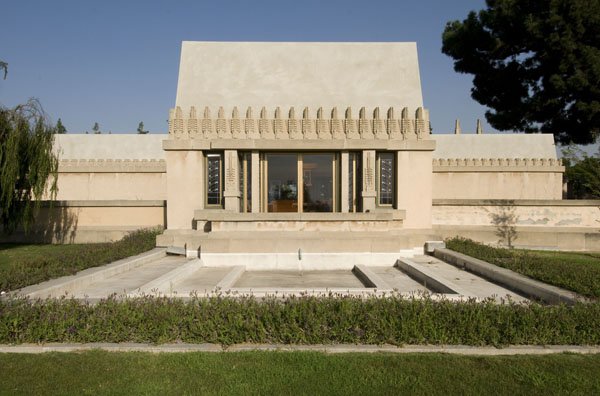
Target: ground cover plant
[579,272]
[298,320]
[22,265]
[302,373]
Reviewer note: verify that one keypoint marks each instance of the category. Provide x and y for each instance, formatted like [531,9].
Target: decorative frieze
[273,125]
[497,164]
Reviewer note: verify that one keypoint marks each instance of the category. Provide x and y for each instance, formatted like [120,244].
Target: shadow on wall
[56,224]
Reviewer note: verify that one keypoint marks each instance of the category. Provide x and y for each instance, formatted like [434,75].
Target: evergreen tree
[140,129]
[534,64]
[60,128]
[4,66]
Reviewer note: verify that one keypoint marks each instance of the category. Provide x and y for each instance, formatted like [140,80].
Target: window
[300,182]
[386,185]
[354,182]
[214,179]
[245,168]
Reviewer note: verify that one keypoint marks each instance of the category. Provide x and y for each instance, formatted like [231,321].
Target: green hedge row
[64,260]
[579,272]
[301,320]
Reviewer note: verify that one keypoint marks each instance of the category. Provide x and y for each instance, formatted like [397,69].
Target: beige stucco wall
[414,189]
[533,213]
[185,187]
[497,185]
[105,186]
[91,221]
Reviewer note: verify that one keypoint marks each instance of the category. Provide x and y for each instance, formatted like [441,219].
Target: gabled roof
[298,74]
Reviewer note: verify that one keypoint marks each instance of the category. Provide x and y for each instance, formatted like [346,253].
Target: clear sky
[116,62]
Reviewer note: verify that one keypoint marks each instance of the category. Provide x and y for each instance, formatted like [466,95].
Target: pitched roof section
[281,74]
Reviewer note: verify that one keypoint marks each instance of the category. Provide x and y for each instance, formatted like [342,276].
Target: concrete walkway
[338,348]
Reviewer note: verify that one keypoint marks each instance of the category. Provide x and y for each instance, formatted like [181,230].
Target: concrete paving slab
[472,283]
[398,280]
[299,279]
[203,280]
[129,281]
[70,284]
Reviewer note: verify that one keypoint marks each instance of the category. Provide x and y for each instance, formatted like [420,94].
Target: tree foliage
[140,129]
[582,173]
[60,128]
[28,166]
[536,65]
[4,67]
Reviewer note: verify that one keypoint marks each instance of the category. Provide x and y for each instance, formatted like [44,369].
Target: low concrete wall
[549,238]
[505,277]
[545,224]
[530,213]
[90,221]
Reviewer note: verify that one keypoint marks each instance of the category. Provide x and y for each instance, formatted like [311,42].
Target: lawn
[22,265]
[307,373]
[576,271]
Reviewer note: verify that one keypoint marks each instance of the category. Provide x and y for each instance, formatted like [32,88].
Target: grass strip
[23,265]
[298,320]
[302,373]
[579,272]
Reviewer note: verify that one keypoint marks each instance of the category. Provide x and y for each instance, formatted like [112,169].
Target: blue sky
[116,62]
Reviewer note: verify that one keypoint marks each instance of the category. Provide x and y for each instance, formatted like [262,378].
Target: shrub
[297,320]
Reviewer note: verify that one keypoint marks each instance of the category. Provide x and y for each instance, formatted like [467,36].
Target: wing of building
[281,147]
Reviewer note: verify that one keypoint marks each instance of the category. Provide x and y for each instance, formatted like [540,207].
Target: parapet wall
[544,224]
[497,178]
[108,185]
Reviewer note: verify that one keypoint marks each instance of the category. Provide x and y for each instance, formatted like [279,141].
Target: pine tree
[140,129]
[534,64]
[60,128]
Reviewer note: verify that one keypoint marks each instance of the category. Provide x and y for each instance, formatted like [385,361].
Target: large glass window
[315,173]
[317,182]
[386,183]
[213,179]
[282,185]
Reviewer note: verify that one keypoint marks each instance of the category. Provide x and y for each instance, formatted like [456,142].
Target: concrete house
[291,148]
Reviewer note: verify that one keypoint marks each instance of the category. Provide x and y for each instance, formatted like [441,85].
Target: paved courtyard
[156,273]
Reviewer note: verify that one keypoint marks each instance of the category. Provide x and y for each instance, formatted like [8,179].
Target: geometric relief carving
[192,126]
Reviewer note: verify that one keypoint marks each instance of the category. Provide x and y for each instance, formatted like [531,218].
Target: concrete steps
[293,241]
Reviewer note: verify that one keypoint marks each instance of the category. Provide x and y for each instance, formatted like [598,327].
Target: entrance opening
[317,182]
[282,185]
[315,173]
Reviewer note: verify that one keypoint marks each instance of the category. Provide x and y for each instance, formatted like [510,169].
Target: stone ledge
[322,348]
[299,145]
[516,202]
[510,279]
[55,287]
[103,203]
[219,215]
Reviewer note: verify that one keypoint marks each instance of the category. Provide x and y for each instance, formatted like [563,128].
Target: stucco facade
[293,147]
